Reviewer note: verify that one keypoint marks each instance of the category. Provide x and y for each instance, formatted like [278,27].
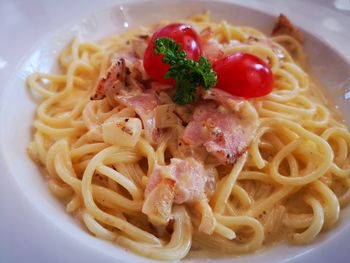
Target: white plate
[33,224]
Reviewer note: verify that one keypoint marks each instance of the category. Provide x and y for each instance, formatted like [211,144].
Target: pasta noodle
[294,175]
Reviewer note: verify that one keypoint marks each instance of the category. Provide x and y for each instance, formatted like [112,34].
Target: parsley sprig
[188,74]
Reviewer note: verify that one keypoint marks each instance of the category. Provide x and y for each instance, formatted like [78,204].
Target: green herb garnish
[188,74]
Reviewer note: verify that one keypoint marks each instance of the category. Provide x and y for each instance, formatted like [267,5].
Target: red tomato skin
[184,35]
[243,75]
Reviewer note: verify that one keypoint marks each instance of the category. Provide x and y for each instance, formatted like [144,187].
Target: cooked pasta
[100,157]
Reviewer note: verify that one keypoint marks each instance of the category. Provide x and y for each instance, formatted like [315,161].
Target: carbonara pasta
[125,165]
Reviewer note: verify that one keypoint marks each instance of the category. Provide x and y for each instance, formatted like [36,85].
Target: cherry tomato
[183,34]
[243,75]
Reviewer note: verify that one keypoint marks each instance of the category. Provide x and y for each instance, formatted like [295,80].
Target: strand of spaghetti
[250,31]
[236,222]
[103,195]
[129,229]
[38,148]
[269,202]
[147,150]
[231,209]
[73,204]
[59,190]
[329,202]
[224,231]
[254,148]
[96,228]
[296,47]
[62,166]
[342,152]
[58,162]
[56,133]
[124,155]
[321,119]
[208,221]
[299,74]
[258,176]
[178,246]
[318,219]
[286,90]
[133,172]
[161,149]
[223,28]
[344,199]
[322,145]
[43,91]
[78,124]
[120,179]
[114,200]
[62,120]
[87,149]
[70,77]
[223,193]
[336,132]
[297,221]
[298,108]
[94,135]
[242,195]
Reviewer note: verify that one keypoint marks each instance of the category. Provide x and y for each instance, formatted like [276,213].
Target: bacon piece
[222,97]
[211,48]
[159,87]
[159,202]
[144,105]
[113,80]
[137,71]
[285,27]
[139,45]
[188,179]
[124,76]
[212,178]
[220,132]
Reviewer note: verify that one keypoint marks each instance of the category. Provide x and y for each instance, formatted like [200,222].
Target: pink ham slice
[229,101]
[139,45]
[211,48]
[159,201]
[124,76]
[190,180]
[182,181]
[122,83]
[113,80]
[220,132]
[159,87]
[144,105]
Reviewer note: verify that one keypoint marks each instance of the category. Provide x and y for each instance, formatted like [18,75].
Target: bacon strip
[184,182]
[211,48]
[220,132]
[229,101]
[144,105]
[139,45]
[124,76]
[113,80]
[159,202]
[285,27]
